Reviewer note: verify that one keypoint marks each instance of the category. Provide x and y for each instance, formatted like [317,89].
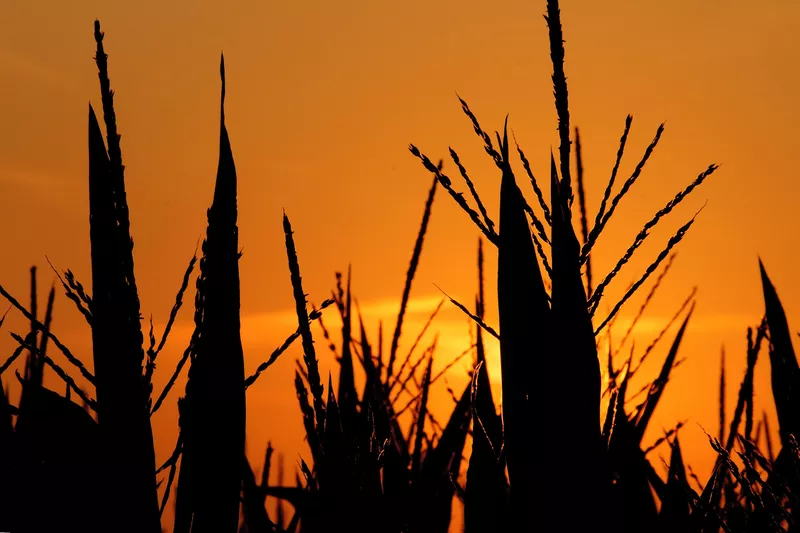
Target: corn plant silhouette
[552,440]
[368,473]
[553,456]
[106,472]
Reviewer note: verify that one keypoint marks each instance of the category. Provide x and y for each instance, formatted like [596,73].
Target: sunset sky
[322,101]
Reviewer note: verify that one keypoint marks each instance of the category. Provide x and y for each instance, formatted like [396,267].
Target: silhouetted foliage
[556,456]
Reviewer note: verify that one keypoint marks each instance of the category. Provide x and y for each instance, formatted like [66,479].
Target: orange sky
[322,103]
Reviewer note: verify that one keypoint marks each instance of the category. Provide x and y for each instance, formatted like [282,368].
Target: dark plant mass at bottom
[563,451]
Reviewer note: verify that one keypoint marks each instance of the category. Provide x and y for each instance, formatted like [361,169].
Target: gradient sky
[323,100]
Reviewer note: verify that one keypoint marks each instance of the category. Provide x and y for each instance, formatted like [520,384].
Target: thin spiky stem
[540,252]
[421,416]
[73,295]
[678,237]
[598,228]
[414,346]
[316,314]
[487,140]
[31,363]
[650,347]
[457,196]
[31,347]
[489,222]
[560,92]
[646,301]
[178,303]
[722,417]
[539,194]
[412,270]
[746,387]
[607,193]
[153,351]
[474,317]
[412,372]
[37,369]
[173,466]
[645,232]
[62,348]
[16,353]
[450,365]
[309,353]
[582,205]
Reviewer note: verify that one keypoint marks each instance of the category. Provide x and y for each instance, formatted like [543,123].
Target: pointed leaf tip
[222,78]
[553,169]
[765,281]
[287,226]
[504,144]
